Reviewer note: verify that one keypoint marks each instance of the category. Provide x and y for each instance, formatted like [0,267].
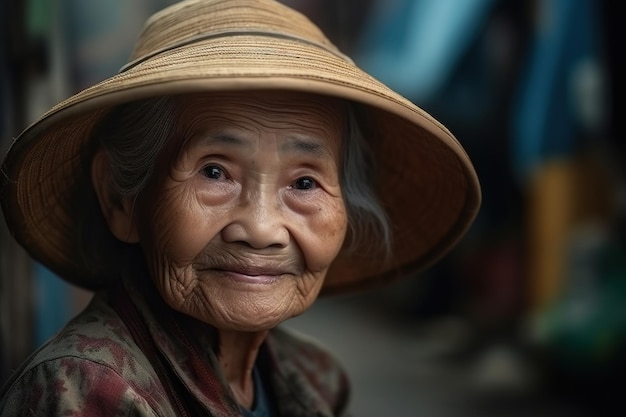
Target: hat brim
[430,189]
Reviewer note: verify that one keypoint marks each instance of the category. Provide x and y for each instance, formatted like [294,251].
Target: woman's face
[245,213]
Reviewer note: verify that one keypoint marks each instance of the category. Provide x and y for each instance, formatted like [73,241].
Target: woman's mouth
[252,275]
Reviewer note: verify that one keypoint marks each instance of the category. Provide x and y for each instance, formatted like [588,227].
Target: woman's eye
[305,183]
[213,171]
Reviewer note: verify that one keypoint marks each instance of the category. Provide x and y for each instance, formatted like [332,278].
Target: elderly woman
[238,167]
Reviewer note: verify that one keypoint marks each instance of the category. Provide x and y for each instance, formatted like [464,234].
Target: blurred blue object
[414,45]
[560,97]
[54,304]
[100,34]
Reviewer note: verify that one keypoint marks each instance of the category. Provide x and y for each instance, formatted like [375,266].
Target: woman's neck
[238,352]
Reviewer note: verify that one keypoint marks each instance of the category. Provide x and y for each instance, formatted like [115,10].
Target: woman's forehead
[301,120]
[285,113]
[279,105]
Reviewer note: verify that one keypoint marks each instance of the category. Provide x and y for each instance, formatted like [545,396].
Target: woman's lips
[253,279]
[250,275]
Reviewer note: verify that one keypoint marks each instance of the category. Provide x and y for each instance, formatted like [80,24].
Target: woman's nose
[258,221]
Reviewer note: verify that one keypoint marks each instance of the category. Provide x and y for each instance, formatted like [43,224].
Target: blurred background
[527,315]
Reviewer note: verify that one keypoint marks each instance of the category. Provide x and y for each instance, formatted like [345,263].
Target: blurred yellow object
[563,195]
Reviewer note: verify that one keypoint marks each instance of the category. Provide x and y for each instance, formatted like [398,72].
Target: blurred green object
[584,332]
[39,17]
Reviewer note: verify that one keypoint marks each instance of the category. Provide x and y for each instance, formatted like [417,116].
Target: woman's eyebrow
[306,145]
[222,139]
[297,144]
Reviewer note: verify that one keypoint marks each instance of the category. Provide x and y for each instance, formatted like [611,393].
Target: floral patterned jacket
[128,354]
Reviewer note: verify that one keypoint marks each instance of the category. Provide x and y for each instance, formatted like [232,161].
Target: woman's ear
[117,213]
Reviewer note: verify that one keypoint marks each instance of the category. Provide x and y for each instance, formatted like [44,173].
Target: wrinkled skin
[244,215]
[241,228]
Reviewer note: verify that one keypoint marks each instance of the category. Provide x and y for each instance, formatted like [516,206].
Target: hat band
[216,35]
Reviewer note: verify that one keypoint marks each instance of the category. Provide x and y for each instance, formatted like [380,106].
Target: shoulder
[76,387]
[98,336]
[92,361]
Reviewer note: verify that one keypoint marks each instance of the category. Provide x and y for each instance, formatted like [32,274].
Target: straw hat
[428,185]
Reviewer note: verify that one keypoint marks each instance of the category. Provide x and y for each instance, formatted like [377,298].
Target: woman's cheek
[338,226]
[178,226]
[326,233]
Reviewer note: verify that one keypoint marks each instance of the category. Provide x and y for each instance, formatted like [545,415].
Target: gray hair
[134,134]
